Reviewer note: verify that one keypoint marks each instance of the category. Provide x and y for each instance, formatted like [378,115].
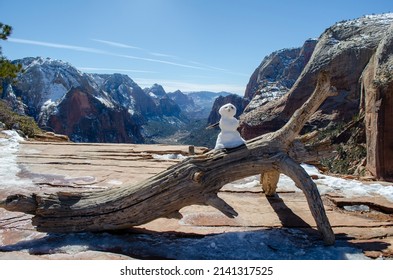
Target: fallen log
[195,180]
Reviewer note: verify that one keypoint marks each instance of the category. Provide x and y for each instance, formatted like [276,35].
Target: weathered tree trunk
[195,180]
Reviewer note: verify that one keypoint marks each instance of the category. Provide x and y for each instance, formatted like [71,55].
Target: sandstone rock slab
[92,167]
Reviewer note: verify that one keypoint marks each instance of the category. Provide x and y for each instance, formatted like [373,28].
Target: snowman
[229,137]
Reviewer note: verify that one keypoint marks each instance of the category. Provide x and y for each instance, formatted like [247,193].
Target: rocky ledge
[279,227]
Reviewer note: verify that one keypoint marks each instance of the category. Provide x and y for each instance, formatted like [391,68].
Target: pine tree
[8,70]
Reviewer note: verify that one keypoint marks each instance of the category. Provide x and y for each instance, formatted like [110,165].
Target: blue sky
[189,45]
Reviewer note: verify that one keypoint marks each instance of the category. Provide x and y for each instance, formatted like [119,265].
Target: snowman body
[229,137]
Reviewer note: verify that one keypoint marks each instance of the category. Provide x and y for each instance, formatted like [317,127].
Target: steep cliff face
[377,104]
[85,118]
[276,74]
[343,50]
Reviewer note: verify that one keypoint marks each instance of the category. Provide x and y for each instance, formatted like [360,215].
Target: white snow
[105,101]
[333,41]
[8,165]
[348,188]
[386,18]
[325,184]
[14,137]
[152,95]
[249,182]
[270,92]
[48,104]
[55,91]
[47,107]
[354,208]
[169,156]
[131,111]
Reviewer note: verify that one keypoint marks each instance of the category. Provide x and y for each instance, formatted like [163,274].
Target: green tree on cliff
[8,74]
[8,71]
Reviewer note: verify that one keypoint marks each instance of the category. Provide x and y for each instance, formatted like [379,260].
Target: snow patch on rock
[9,168]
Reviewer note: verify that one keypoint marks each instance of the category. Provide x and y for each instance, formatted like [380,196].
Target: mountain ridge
[45,91]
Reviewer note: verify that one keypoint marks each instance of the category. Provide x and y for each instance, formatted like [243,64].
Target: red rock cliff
[377,90]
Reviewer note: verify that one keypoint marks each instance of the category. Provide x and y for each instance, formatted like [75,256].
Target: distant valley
[104,107]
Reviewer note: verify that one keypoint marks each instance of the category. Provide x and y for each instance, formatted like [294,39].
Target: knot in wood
[197,176]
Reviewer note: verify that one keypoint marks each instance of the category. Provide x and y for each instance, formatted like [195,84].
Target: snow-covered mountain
[156,91]
[86,107]
[100,107]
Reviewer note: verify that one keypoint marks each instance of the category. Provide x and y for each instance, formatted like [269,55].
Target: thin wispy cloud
[161,61]
[100,69]
[207,66]
[219,69]
[190,65]
[116,44]
[122,45]
[98,51]
[170,85]
[163,55]
[57,46]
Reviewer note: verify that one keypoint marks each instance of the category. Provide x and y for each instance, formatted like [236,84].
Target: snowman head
[227,110]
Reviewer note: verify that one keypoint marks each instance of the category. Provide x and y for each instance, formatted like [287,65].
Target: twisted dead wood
[195,180]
